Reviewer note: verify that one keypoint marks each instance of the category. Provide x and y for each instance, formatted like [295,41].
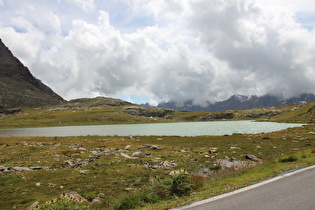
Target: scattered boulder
[83,171]
[232,163]
[77,147]
[78,162]
[39,144]
[51,185]
[127,156]
[234,148]
[127,147]
[164,164]
[69,163]
[213,150]
[96,200]
[150,146]
[101,152]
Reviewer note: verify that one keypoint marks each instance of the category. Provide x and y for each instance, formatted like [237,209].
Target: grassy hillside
[305,113]
[100,111]
[140,171]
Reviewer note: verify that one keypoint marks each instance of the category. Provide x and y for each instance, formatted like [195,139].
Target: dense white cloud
[196,50]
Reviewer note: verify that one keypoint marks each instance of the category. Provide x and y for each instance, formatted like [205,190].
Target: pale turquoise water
[156,129]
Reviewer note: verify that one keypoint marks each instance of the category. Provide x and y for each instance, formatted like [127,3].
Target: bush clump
[136,199]
[291,158]
[180,184]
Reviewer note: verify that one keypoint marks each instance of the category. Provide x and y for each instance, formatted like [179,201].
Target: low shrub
[63,203]
[137,199]
[179,185]
[162,188]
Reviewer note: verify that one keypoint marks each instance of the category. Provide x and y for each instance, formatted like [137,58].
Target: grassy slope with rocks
[112,169]
[148,172]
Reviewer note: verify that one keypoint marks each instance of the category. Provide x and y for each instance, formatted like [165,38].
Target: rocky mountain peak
[18,87]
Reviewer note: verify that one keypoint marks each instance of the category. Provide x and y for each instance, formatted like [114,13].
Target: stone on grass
[138,155]
[127,156]
[253,158]
[127,147]
[33,206]
[75,196]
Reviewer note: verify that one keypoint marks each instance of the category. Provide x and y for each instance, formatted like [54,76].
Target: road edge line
[208,200]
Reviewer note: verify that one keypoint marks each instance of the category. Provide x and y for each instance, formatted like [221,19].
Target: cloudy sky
[160,50]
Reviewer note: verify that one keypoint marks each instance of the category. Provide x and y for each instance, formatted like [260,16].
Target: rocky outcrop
[4,111]
[97,102]
[260,114]
[8,169]
[147,112]
[217,116]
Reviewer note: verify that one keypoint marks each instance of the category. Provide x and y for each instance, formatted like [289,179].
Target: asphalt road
[292,191]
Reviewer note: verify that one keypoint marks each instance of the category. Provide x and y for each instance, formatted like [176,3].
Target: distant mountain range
[18,87]
[239,102]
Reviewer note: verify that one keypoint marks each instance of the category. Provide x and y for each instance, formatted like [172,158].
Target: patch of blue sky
[124,17]
[19,29]
[136,99]
[306,19]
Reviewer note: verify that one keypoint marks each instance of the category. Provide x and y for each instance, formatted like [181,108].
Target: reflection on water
[155,129]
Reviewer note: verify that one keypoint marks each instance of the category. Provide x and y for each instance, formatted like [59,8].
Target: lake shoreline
[183,129]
